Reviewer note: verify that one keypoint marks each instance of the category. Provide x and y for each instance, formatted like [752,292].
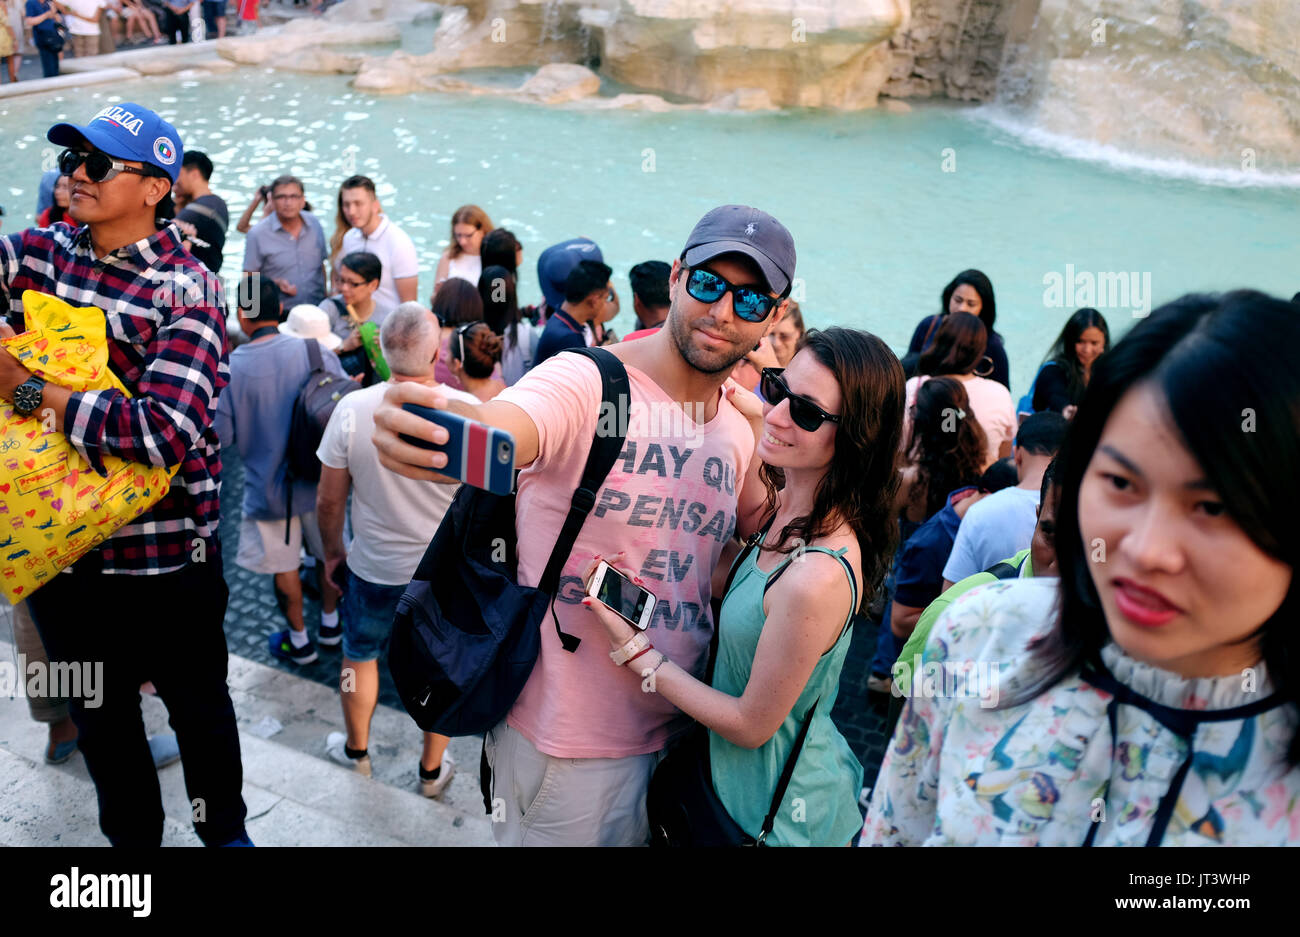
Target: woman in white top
[468,225]
[957,349]
[1149,696]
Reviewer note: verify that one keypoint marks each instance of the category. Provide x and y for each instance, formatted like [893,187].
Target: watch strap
[635,644]
[36,386]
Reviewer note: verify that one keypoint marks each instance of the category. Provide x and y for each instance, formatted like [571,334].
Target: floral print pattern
[960,771]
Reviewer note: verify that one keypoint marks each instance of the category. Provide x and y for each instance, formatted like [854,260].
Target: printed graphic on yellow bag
[54,508]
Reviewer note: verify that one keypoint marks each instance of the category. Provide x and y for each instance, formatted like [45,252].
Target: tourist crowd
[55,29]
[1083,595]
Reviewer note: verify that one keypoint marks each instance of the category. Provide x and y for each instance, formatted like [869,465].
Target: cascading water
[1204,93]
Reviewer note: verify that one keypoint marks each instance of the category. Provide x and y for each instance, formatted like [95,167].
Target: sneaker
[164,749]
[439,784]
[282,648]
[56,753]
[334,743]
[330,637]
[878,683]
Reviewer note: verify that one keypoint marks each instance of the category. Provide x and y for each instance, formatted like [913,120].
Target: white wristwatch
[635,645]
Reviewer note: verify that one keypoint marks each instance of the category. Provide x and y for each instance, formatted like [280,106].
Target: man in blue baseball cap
[556,263]
[148,603]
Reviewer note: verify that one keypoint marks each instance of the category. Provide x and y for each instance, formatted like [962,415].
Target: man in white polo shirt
[392,517]
[373,233]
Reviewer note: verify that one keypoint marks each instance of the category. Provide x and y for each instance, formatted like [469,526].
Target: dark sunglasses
[748,303]
[100,167]
[806,414]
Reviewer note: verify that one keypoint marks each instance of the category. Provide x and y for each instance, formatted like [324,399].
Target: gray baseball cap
[741,229]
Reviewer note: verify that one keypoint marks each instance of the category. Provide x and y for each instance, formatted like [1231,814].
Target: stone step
[295,795]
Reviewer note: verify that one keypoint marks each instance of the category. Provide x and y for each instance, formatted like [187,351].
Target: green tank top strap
[775,574]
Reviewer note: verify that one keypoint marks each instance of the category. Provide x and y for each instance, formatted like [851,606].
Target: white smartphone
[623,595]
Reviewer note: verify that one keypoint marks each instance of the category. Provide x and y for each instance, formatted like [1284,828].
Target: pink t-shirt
[989,401]
[670,502]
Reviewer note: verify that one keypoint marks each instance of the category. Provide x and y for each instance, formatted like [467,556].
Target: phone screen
[623,596]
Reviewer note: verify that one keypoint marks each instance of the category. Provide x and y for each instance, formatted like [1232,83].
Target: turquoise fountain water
[884,208]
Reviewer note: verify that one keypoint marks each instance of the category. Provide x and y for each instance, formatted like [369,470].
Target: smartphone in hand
[477,454]
[623,595]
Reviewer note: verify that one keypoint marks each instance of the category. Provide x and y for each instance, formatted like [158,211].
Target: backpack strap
[1004,570]
[317,364]
[313,356]
[605,450]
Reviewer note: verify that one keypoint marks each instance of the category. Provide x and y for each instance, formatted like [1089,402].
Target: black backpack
[466,634]
[319,394]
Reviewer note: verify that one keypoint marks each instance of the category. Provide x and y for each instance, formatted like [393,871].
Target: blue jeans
[49,62]
[368,611]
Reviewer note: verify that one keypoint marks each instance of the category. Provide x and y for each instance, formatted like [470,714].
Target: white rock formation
[273,45]
[558,83]
[1217,82]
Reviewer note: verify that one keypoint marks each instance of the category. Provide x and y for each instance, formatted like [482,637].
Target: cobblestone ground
[252,615]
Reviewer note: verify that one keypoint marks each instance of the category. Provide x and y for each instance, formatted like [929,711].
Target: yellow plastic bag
[54,507]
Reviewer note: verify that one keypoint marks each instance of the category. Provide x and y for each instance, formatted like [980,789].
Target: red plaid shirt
[167,343]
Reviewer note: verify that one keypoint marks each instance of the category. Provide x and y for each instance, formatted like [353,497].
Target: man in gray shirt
[288,245]
[254,415]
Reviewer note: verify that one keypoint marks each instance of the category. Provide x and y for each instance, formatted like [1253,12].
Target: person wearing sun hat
[149,602]
[308,321]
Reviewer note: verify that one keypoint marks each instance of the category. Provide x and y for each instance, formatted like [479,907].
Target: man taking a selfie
[573,759]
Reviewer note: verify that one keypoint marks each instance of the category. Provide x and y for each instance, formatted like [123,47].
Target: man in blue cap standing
[149,602]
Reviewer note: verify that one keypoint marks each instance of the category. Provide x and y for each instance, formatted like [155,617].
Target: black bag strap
[317,364]
[606,446]
[786,773]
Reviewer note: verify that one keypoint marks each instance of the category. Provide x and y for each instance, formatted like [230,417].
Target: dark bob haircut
[1222,363]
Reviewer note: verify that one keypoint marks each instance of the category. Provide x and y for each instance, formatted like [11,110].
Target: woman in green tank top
[830,432]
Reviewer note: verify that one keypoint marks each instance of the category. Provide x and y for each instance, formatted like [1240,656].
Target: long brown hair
[860,486]
[467,214]
[958,346]
[947,446]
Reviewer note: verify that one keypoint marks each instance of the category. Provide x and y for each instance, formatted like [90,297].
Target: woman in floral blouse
[1151,697]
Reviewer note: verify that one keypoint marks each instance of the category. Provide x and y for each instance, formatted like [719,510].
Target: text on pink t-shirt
[669,502]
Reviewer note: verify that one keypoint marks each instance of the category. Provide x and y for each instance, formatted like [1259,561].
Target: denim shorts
[214,7]
[368,610]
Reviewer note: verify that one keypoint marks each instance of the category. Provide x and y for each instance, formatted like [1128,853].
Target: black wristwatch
[28,395]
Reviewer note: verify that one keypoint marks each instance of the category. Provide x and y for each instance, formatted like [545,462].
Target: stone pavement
[295,795]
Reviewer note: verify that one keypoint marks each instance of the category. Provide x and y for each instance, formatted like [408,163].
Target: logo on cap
[164,150]
[124,119]
[749,230]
